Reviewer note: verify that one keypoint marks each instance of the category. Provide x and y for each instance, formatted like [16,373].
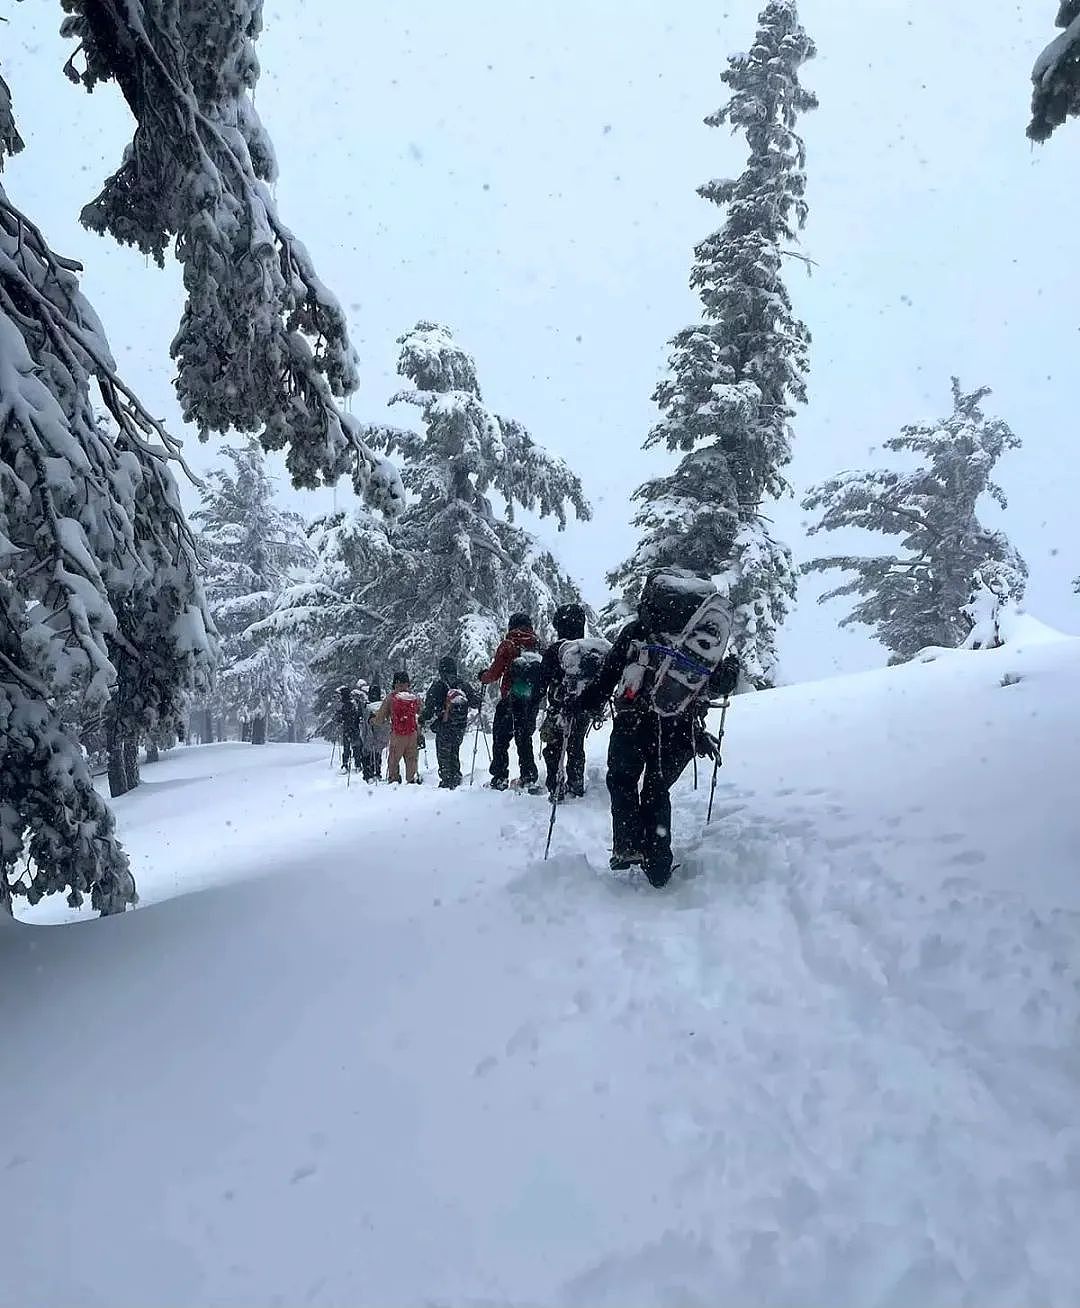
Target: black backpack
[689,623]
[580,663]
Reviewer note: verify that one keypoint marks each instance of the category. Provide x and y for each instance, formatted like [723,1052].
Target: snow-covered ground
[835,1062]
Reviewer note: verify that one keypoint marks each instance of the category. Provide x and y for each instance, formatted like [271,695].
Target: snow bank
[834,1063]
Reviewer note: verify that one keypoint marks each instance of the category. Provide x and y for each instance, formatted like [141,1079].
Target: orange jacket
[515,642]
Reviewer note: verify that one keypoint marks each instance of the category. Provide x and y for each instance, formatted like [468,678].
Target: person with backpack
[446,709]
[380,731]
[364,750]
[661,671]
[569,664]
[516,667]
[347,721]
[401,708]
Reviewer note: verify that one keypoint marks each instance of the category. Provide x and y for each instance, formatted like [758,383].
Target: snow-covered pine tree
[922,596]
[329,612]
[1056,76]
[262,345]
[251,547]
[727,404]
[458,567]
[87,517]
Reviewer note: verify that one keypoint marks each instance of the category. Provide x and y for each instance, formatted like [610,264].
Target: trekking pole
[716,758]
[559,780]
[476,740]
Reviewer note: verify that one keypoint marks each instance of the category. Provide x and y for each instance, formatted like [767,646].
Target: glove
[705,746]
[481,675]
[726,677]
[421,743]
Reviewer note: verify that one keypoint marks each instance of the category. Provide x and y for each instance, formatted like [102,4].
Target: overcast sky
[527,174]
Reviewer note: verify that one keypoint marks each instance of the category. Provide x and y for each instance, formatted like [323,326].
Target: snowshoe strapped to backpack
[525,675]
[690,622]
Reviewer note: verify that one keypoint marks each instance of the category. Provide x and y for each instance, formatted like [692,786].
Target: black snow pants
[515,720]
[575,751]
[448,742]
[660,748]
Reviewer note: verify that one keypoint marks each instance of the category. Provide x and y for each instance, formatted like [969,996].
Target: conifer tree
[251,547]
[90,528]
[262,345]
[1056,76]
[727,404]
[330,611]
[923,596]
[459,567]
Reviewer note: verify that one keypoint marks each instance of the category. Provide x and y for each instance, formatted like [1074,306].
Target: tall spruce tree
[727,405]
[262,345]
[459,567]
[330,611]
[923,596]
[1056,76]
[251,548]
[96,563]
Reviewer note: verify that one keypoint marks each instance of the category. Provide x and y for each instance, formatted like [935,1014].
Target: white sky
[527,175]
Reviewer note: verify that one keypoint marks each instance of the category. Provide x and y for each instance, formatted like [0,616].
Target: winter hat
[570,622]
[448,666]
[518,620]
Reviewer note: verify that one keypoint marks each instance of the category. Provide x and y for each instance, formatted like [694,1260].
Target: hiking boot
[577,792]
[658,874]
[624,858]
[499,783]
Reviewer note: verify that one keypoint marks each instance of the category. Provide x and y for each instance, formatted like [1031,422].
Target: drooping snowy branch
[1056,76]
[263,344]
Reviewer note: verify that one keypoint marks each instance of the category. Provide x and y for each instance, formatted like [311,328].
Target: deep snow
[836,1062]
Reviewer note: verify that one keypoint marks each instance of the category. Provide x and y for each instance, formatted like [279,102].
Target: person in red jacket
[401,708]
[516,667]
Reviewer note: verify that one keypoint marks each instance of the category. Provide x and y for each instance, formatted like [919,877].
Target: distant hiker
[347,721]
[569,665]
[516,667]
[661,670]
[401,708]
[380,731]
[446,709]
[368,759]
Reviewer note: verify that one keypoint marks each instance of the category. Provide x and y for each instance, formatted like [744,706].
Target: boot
[622,859]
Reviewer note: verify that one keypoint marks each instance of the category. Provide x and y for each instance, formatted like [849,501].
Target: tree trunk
[152,753]
[292,732]
[131,760]
[208,727]
[258,730]
[245,732]
[118,784]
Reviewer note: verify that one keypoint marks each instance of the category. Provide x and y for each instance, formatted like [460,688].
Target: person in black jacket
[446,709]
[561,720]
[647,753]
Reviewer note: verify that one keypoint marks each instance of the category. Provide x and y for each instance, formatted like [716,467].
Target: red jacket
[514,643]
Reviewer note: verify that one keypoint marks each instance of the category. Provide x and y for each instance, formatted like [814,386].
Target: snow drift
[394,1058]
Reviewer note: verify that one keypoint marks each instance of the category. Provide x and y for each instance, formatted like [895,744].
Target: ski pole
[559,779]
[716,757]
[476,740]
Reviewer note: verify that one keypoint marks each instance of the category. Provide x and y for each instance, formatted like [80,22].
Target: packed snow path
[835,1062]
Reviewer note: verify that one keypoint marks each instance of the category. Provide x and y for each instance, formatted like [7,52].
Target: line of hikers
[657,678]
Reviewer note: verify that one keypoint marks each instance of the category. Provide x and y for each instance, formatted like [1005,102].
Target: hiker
[569,664]
[401,708]
[380,731]
[516,667]
[446,709]
[369,763]
[347,721]
[660,698]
